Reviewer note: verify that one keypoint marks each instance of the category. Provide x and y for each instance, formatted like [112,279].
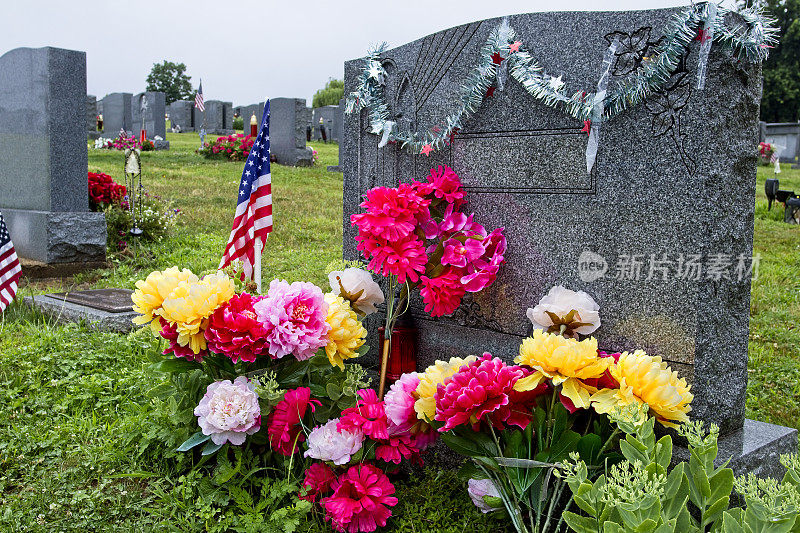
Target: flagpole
[257,264]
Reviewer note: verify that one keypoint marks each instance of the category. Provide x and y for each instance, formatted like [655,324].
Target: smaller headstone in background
[338,120]
[91,117]
[762,131]
[248,111]
[117,114]
[218,117]
[786,136]
[154,123]
[180,114]
[237,111]
[327,114]
[287,132]
[102,309]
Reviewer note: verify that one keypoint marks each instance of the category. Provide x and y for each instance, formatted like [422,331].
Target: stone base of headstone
[161,145]
[58,237]
[220,131]
[65,312]
[756,447]
[38,270]
[334,168]
[94,134]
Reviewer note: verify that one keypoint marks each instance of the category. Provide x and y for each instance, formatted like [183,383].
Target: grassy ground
[79,442]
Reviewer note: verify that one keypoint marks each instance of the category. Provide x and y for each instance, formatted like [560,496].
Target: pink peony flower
[360,501]
[294,318]
[367,417]
[480,389]
[327,443]
[229,411]
[399,401]
[318,480]
[447,185]
[234,330]
[405,258]
[391,213]
[284,422]
[399,447]
[460,254]
[170,333]
[480,488]
[442,294]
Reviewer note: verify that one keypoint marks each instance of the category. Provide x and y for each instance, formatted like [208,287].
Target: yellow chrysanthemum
[433,376]
[564,361]
[347,334]
[191,303]
[645,379]
[151,292]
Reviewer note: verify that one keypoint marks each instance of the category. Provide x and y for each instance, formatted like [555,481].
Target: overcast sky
[246,50]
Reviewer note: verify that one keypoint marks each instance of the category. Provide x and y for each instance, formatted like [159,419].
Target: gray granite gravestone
[786,135]
[327,114]
[248,111]
[154,123]
[218,117]
[654,233]
[44,193]
[100,309]
[338,120]
[287,132]
[117,114]
[91,113]
[180,113]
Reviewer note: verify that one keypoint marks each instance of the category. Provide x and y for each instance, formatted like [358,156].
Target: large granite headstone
[218,117]
[328,116]
[786,135]
[117,114]
[44,193]
[180,114]
[287,132]
[154,123]
[654,233]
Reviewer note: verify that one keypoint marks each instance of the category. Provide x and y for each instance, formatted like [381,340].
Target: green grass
[79,442]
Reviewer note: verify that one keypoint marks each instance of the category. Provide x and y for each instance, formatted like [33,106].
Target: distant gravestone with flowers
[648,208]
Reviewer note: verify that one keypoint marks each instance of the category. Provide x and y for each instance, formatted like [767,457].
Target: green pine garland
[747,40]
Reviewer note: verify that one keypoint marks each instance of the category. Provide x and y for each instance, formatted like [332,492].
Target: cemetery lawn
[82,428]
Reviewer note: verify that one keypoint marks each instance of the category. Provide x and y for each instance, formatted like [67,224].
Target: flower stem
[387,335]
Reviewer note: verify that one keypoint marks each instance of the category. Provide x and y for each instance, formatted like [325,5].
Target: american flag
[253,218]
[198,98]
[9,267]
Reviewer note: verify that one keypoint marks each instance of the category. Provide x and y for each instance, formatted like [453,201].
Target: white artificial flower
[477,489]
[560,301]
[326,443]
[357,286]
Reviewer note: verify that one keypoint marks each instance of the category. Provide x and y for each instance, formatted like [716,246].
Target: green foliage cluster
[171,79]
[156,218]
[329,95]
[238,123]
[640,494]
[780,101]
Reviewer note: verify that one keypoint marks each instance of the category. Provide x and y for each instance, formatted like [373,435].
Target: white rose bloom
[363,293]
[561,301]
[327,444]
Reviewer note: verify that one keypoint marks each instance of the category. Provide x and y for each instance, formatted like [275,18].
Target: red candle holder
[403,351]
[143,136]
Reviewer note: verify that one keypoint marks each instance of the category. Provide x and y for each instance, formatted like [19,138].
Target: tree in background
[781,99]
[171,79]
[331,94]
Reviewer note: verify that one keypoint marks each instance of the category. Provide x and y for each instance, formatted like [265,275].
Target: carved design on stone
[666,107]
[634,47]
[469,315]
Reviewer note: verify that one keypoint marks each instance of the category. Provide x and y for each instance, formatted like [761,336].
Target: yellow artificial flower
[347,334]
[645,379]
[429,380]
[191,303]
[564,361]
[151,292]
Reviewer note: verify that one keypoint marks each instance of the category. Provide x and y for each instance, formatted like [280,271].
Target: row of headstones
[786,137]
[329,117]
[217,118]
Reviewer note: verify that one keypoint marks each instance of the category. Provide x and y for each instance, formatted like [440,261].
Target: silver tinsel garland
[747,40]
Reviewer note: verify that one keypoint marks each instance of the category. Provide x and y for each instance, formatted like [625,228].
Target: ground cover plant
[80,448]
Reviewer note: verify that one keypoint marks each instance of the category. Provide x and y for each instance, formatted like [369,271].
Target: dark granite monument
[180,114]
[91,113]
[117,114]
[248,111]
[328,116]
[154,123]
[786,136]
[218,117]
[287,132]
[660,232]
[44,192]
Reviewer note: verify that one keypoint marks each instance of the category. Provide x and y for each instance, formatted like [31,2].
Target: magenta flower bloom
[229,411]
[234,330]
[405,258]
[294,318]
[447,185]
[360,501]
[442,294]
[367,417]
[461,254]
[318,480]
[391,213]
[399,407]
[170,333]
[483,271]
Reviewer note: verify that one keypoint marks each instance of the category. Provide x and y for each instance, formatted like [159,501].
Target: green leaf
[715,510]
[721,484]
[663,455]
[566,443]
[194,440]
[176,365]
[589,448]
[210,448]
[631,452]
[334,391]
[461,445]
[581,524]
[731,524]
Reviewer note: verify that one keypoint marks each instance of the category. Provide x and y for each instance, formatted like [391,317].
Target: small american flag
[253,218]
[9,267]
[198,98]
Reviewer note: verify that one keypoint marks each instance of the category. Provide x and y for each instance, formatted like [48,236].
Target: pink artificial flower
[229,411]
[405,258]
[284,421]
[399,447]
[391,212]
[367,417]
[460,254]
[480,389]
[170,333]
[482,272]
[480,488]
[447,185]
[294,318]
[360,501]
[235,331]
[442,294]
[328,443]
[319,478]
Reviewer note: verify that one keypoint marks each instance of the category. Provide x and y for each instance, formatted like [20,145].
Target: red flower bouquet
[103,190]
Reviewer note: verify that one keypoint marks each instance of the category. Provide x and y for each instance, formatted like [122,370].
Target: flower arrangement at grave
[765,153]
[235,147]
[123,141]
[417,236]
[104,191]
